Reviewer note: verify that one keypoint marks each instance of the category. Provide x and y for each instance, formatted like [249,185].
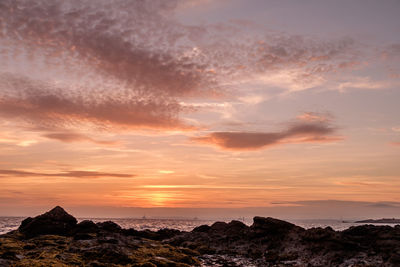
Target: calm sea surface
[11,223]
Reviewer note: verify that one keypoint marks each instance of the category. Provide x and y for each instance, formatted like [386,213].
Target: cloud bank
[136,63]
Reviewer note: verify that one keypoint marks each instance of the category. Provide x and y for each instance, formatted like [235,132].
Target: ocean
[11,223]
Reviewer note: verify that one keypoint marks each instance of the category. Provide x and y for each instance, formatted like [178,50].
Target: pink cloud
[299,132]
[70,137]
[34,102]
[314,117]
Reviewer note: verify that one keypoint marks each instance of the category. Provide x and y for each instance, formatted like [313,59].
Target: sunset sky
[200,105]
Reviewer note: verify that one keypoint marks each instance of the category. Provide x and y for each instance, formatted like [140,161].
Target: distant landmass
[384,220]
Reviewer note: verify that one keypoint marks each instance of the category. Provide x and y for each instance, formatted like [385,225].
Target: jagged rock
[56,221]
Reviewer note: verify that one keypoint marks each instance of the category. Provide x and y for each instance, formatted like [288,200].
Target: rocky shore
[56,239]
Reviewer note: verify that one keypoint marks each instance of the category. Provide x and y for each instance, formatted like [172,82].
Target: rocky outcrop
[56,221]
[272,242]
[54,239]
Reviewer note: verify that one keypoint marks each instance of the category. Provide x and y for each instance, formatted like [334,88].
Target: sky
[200,108]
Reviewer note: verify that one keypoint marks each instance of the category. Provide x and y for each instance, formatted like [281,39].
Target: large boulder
[109,226]
[56,221]
[271,226]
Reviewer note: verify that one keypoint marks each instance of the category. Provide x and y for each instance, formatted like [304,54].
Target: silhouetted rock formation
[272,242]
[56,221]
[55,238]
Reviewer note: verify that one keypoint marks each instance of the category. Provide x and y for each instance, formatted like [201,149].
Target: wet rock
[56,221]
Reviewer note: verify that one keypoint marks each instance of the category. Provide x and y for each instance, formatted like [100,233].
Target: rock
[86,226]
[167,233]
[85,230]
[267,242]
[109,226]
[202,228]
[236,227]
[219,226]
[271,226]
[56,221]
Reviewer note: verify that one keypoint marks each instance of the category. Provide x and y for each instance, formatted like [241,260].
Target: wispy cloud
[72,174]
[315,117]
[70,137]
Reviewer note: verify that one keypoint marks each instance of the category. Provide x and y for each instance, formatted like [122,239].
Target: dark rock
[115,256]
[56,221]
[271,226]
[318,234]
[202,228]
[167,233]
[219,226]
[130,232]
[83,236]
[268,242]
[236,227]
[29,246]
[86,226]
[109,226]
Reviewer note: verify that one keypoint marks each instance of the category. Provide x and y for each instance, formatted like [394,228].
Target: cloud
[148,51]
[292,63]
[70,137]
[298,132]
[72,174]
[364,83]
[315,117]
[138,64]
[51,107]
[135,47]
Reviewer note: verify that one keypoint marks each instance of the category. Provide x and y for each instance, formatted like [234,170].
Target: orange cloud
[73,174]
[70,137]
[299,132]
[35,102]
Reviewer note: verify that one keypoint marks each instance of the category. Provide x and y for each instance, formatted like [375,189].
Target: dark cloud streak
[298,132]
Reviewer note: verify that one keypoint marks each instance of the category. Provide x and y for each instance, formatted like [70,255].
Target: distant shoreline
[384,220]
